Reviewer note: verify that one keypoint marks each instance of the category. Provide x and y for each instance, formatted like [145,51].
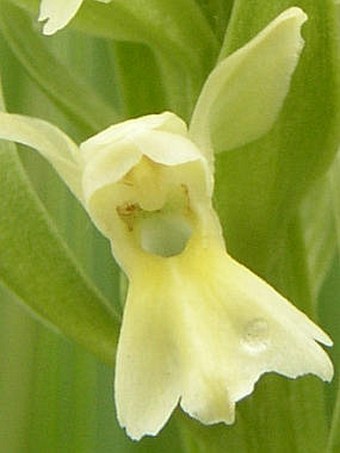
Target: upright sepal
[56,147]
[242,97]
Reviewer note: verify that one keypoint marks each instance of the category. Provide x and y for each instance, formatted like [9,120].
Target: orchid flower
[58,13]
[199,329]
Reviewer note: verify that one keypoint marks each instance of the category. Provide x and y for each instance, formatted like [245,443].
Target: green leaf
[218,13]
[186,26]
[142,90]
[55,146]
[183,69]
[242,97]
[259,186]
[334,176]
[17,346]
[172,43]
[334,181]
[318,224]
[37,266]
[72,95]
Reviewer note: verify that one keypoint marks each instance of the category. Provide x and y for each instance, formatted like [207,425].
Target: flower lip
[212,329]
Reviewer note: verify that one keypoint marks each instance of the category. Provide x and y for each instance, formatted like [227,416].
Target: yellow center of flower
[164,234]
[164,231]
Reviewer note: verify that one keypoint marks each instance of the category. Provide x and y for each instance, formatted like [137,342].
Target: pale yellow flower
[58,13]
[199,329]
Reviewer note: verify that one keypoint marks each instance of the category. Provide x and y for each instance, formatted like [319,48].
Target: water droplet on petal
[255,337]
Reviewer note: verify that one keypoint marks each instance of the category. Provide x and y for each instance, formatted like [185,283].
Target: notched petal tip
[136,431]
[296,12]
[206,399]
[56,14]
[290,336]
[322,337]
[49,28]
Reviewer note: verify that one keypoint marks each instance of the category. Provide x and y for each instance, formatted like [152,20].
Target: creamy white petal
[50,142]
[109,167]
[243,95]
[114,135]
[57,14]
[167,148]
[147,367]
[107,163]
